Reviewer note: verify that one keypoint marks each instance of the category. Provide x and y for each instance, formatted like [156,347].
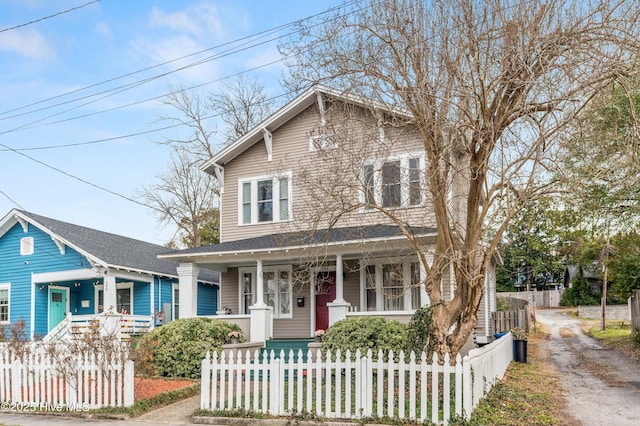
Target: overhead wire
[48,17]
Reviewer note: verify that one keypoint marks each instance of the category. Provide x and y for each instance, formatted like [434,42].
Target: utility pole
[605,270]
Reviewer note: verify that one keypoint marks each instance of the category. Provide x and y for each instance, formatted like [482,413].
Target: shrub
[178,348]
[366,333]
[579,294]
[419,330]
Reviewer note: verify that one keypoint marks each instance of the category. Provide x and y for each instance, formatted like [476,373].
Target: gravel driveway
[611,395]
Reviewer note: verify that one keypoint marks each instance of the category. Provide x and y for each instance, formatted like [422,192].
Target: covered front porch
[288,291]
[81,297]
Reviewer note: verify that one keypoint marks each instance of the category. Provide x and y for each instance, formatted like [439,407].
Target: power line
[50,16]
[244,39]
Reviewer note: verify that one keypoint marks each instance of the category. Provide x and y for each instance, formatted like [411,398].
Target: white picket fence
[353,387]
[76,382]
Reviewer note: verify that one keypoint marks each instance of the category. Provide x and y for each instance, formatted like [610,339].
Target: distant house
[283,279]
[50,270]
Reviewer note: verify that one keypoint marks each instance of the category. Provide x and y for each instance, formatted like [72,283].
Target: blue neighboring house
[50,269]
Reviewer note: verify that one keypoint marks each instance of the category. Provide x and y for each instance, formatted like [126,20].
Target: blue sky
[47,66]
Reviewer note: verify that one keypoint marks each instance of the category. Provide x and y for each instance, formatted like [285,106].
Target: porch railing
[124,326]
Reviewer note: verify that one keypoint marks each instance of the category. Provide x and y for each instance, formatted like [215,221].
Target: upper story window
[394,182]
[26,246]
[264,199]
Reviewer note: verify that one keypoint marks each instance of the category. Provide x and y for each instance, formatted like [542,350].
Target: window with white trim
[5,302]
[26,246]
[394,182]
[276,286]
[175,301]
[124,298]
[391,286]
[264,199]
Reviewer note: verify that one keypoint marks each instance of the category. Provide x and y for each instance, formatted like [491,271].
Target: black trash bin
[520,351]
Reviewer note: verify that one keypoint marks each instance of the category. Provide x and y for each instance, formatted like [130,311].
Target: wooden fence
[516,316]
[39,380]
[634,311]
[354,386]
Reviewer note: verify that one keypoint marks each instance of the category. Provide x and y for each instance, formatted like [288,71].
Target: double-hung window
[5,302]
[394,182]
[265,199]
[391,286]
[276,281]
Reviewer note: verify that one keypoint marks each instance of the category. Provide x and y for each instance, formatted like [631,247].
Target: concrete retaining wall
[614,312]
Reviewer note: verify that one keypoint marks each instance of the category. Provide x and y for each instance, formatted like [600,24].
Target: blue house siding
[164,295]
[141,298]
[18,269]
[207,299]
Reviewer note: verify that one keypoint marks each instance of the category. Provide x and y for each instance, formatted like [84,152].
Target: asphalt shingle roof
[115,250]
[318,237]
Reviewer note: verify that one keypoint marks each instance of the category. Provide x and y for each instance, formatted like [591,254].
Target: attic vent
[26,246]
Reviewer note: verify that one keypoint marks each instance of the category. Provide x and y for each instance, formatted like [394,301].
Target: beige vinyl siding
[291,154]
[352,289]
[229,290]
[300,324]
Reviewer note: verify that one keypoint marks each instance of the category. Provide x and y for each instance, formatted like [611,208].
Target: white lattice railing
[124,326]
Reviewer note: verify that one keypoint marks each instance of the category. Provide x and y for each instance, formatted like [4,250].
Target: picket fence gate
[354,387]
[78,382]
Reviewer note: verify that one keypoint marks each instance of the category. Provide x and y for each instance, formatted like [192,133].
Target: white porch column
[424,297]
[188,287]
[261,314]
[339,307]
[110,298]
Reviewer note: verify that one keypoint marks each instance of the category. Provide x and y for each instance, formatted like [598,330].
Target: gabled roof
[353,236]
[282,116]
[103,248]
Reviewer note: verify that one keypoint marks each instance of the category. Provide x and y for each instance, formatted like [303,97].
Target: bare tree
[488,88]
[184,196]
[242,104]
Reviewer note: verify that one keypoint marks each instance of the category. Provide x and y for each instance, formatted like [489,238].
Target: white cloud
[199,20]
[103,29]
[27,42]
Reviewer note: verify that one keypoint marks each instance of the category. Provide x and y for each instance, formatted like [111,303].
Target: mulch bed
[147,388]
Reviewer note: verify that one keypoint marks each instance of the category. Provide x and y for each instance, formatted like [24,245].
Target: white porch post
[424,297]
[339,307]
[188,287]
[110,301]
[261,314]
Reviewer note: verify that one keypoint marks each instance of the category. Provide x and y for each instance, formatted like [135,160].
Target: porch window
[4,303]
[395,182]
[370,288]
[277,289]
[124,298]
[391,286]
[248,285]
[176,303]
[264,199]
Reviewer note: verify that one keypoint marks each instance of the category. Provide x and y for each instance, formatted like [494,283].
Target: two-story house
[293,258]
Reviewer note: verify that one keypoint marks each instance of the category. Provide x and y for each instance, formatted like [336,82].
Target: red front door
[325,293]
